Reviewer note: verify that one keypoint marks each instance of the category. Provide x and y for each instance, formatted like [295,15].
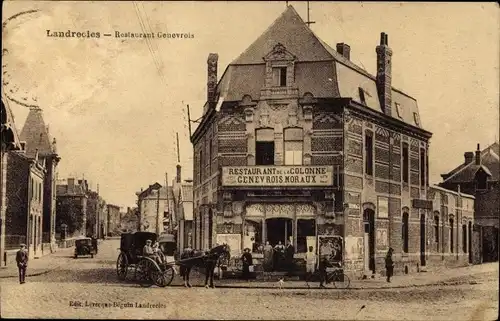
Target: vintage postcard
[285,160]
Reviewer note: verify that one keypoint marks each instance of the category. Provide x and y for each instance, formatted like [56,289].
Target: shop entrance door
[278,230]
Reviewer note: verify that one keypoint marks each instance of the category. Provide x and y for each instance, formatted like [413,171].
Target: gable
[291,31]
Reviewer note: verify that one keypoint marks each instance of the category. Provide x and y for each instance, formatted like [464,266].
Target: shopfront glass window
[253,236]
[306,235]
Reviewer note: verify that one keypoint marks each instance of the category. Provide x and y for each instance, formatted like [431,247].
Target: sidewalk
[38,266]
[454,276]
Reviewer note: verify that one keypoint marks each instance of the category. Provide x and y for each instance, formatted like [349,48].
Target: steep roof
[8,130]
[36,134]
[465,172]
[319,69]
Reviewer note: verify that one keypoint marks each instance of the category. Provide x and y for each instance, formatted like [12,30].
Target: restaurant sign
[279,176]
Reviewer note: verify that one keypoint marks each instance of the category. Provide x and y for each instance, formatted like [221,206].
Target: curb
[235,286]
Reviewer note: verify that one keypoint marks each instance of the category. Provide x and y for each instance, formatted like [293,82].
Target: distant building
[130,220]
[113,219]
[451,239]
[478,175]
[183,210]
[9,142]
[37,137]
[154,209]
[24,190]
[71,207]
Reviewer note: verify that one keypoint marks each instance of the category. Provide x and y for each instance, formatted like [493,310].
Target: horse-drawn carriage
[147,270]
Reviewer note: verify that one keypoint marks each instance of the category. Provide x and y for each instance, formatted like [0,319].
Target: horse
[209,260]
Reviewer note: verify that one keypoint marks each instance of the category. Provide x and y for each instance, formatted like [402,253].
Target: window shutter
[276,76]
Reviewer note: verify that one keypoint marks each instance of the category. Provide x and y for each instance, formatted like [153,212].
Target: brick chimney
[178,176]
[469,157]
[212,76]
[384,74]
[345,50]
[478,155]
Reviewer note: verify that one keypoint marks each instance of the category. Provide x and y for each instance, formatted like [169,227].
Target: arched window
[436,231]
[464,238]
[405,232]
[451,235]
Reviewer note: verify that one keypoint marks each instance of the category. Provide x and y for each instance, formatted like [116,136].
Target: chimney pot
[382,38]
[478,155]
[344,49]
[386,39]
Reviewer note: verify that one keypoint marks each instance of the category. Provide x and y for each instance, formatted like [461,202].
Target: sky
[115,105]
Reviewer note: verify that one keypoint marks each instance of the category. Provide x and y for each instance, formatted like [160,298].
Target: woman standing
[389,264]
[247,260]
[268,257]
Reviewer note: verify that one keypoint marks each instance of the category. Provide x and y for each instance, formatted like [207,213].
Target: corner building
[296,141]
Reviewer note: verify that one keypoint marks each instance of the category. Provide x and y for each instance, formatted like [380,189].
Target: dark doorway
[422,240]
[210,228]
[470,242]
[369,222]
[278,229]
[264,153]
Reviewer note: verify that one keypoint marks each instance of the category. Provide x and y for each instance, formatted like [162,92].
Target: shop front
[264,209]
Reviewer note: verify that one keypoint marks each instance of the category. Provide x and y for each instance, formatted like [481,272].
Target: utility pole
[309,22]
[178,153]
[168,205]
[189,121]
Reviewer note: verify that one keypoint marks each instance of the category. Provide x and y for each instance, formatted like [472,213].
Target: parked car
[84,247]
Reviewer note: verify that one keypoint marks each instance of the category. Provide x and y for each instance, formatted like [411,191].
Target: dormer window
[398,110]
[415,118]
[279,76]
[362,97]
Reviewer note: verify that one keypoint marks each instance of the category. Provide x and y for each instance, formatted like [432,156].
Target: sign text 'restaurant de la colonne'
[277,176]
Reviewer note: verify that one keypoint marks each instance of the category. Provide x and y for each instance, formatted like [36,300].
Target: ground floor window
[253,236]
[305,230]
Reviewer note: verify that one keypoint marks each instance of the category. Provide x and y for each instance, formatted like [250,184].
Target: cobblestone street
[88,281]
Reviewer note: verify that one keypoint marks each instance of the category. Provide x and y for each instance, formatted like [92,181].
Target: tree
[70,212]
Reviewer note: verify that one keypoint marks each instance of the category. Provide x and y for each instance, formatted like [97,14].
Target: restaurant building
[298,142]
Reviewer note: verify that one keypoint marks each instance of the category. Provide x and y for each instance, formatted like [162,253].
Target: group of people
[279,257]
[153,251]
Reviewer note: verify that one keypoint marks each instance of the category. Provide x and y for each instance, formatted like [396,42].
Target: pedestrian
[268,257]
[325,252]
[279,251]
[289,253]
[247,260]
[94,243]
[22,262]
[389,264]
[310,264]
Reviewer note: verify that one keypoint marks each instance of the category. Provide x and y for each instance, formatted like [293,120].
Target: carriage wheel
[164,278]
[143,273]
[122,266]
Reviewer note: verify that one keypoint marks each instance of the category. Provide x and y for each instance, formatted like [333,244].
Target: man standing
[22,262]
[310,264]
[289,252]
[247,260]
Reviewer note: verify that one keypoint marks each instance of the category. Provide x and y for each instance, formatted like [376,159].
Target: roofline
[460,170]
[451,191]
[389,119]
